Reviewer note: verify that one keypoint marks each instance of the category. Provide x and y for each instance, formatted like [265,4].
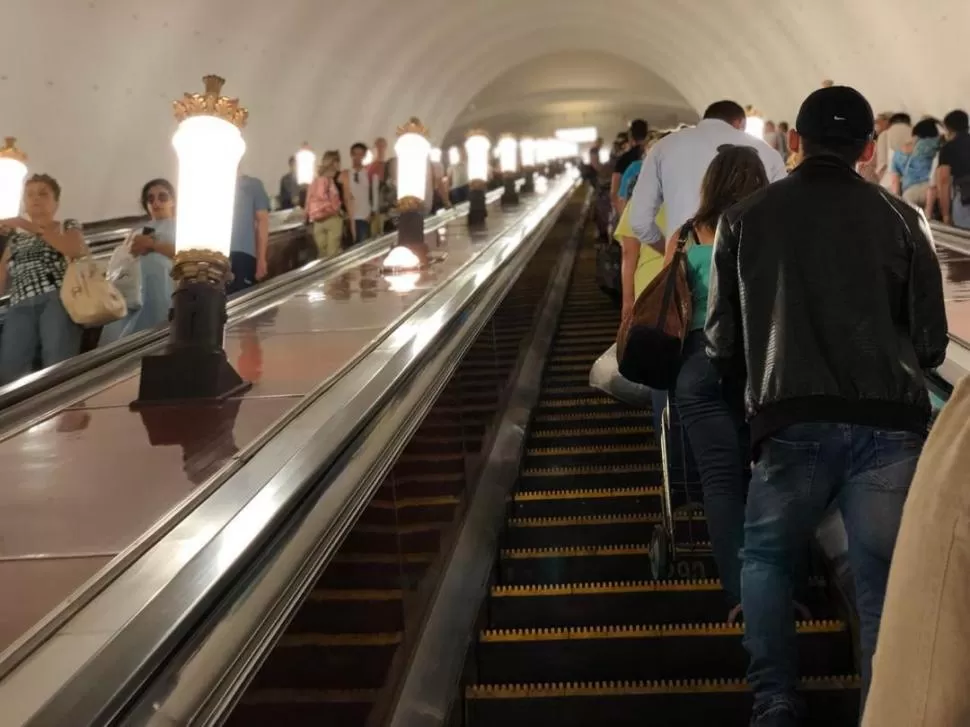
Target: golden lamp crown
[211,103]
[750,110]
[828,83]
[413,126]
[477,132]
[9,150]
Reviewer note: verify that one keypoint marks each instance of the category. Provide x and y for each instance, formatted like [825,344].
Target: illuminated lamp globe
[412,150]
[754,124]
[527,148]
[508,149]
[306,164]
[477,146]
[368,158]
[209,149]
[454,156]
[435,155]
[13,172]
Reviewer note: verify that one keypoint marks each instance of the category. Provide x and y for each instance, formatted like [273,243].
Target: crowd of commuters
[799,389]
[343,207]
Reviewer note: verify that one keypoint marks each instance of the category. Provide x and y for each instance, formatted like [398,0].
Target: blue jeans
[362,228]
[40,319]
[798,474]
[717,440]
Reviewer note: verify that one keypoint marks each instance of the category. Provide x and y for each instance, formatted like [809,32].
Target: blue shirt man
[250,234]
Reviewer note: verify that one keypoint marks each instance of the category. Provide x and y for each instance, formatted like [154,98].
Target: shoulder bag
[650,340]
[89,298]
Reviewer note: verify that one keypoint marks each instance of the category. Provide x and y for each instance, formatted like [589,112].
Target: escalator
[575,629]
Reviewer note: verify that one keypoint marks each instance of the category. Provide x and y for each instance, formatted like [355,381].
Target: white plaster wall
[86,84]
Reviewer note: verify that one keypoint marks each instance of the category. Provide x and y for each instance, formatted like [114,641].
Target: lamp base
[410,228]
[510,197]
[477,209]
[185,376]
[529,187]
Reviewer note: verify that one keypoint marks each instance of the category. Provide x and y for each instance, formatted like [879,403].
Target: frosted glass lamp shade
[13,172]
[527,149]
[508,150]
[755,125]
[476,149]
[306,162]
[209,149]
[454,156]
[435,155]
[412,165]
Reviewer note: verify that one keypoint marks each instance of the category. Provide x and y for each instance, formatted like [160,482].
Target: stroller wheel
[660,553]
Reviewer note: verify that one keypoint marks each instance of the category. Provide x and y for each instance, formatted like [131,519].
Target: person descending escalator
[633,153]
[361,198]
[249,248]
[953,173]
[290,193]
[324,209]
[834,391]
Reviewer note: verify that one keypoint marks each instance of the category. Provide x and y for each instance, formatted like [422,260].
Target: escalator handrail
[119,638]
[24,393]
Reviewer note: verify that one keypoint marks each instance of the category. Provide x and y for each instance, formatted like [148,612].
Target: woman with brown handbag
[714,423]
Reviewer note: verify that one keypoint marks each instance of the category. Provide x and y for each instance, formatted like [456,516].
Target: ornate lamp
[508,150]
[454,156]
[754,123]
[477,146]
[13,172]
[412,149]
[306,165]
[209,145]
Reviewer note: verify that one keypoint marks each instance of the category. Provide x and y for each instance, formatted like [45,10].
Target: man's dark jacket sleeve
[927,314]
[725,343]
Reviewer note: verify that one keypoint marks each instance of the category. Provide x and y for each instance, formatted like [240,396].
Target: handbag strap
[685,230]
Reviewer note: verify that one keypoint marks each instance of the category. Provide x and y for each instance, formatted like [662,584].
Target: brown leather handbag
[649,342]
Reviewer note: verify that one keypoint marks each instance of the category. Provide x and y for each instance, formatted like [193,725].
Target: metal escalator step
[589,478]
[831,702]
[566,419]
[335,611]
[329,661]
[579,531]
[592,403]
[566,565]
[592,454]
[667,651]
[576,436]
[400,486]
[333,707]
[565,503]
[618,603]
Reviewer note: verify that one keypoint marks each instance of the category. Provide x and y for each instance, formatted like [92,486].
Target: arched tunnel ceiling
[87,84]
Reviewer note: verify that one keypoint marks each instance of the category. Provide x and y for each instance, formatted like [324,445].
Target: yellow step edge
[587,416]
[575,552]
[579,470]
[297,640]
[356,594]
[586,494]
[585,521]
[604,588]
[406,502]
[310,696]
[589,432]
[645,631]
[643,688]
[644,446]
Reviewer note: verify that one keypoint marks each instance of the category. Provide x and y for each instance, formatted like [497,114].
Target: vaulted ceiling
[86,85]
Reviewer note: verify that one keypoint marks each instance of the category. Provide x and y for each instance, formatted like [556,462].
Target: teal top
[699,279]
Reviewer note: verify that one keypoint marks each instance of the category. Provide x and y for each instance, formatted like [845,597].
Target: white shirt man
[674,168]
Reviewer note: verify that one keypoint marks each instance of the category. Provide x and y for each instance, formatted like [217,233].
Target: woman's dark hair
[51,183]
[735,172]
[926,129]
[163,183]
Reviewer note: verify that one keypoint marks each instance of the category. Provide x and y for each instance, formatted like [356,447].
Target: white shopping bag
[124,271]
[605,376]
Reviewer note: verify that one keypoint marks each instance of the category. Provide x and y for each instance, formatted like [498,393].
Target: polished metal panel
[431,683]
[200,550]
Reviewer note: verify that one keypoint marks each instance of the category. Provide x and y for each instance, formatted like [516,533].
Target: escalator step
[591,454]
[581,531]
[336,611]
[331,661]
[375,571]
[568,565]
[566,503]
[335,708]
[590,477]
[666,651]
[669,703]
[410,510]
[586,436]
[615,604]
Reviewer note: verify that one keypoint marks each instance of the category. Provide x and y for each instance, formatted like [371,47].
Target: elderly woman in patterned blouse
[31,270]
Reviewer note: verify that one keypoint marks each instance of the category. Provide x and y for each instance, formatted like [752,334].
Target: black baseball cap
[836,114]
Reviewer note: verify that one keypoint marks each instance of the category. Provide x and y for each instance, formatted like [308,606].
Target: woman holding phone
[154,245]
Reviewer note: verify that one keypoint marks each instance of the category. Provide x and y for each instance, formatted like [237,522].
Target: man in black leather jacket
[826,301]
